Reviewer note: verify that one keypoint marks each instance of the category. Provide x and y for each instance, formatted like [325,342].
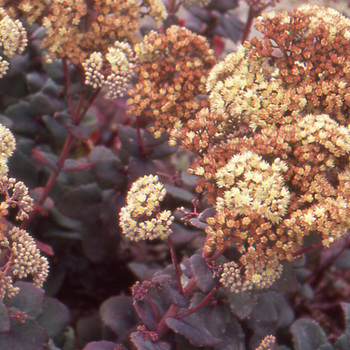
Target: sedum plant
[185,196]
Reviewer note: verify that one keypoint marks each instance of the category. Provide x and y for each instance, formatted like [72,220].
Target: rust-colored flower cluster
[172,74]
[75,29]
[276,162]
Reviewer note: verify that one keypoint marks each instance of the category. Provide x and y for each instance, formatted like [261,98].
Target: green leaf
[82,203]
[202,274]
[194,329]
[29,299]
[55,316]
[118,314]
[4,318]
[308,335]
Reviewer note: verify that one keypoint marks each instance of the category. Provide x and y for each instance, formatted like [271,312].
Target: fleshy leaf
[54,325]
[89,328]
[147,313]
[308,335]
[343,261]
[179,193]
[27,336]
[102,345]
[225,327]
[346,310]
[75,165]
[4,318]
[202,274]
[29,299]
[241,304]
[129,138]
[82,202]
[271,311]
[106,167]
[142,344]
[342,343]
[47,159]
[118,314]
[170,294]
[194,329]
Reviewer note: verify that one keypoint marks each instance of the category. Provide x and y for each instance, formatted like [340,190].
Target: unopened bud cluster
[19,255]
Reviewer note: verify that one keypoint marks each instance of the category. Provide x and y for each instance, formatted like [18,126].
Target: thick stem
[139,136]
[175,264]
[201,304]
[173,310]
[315,279]
[249,23]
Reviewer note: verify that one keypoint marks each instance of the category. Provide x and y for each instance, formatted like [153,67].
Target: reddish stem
[307,249]
[173,310]
[153,306]
[201,304]
[249,23]
[77,116]
[175,264]
[139,136]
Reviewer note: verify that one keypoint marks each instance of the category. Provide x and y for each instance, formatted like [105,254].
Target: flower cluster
[172,75]
[267,343]
[75,29]
[276,164]
[19,254]
[13,39]
[141,218]
[32,10]
[117,76]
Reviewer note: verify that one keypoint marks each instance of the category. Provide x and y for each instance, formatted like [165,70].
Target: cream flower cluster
[13,39]
[253,186]
[141,218]
[114,70]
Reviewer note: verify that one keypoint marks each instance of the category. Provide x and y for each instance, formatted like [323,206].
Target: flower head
[141,218]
